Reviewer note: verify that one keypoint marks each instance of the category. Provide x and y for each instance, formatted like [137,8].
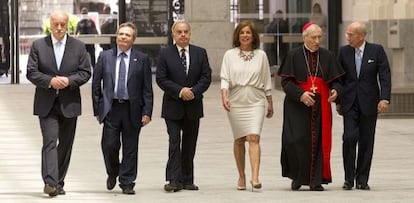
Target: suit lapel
[133,59]
[112,66]
[51,51]
[365,57]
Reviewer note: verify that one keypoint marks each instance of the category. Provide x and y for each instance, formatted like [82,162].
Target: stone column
[211,29]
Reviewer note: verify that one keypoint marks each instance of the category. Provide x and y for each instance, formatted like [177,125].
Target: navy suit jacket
[373,83]
[41,68]
[171,78]
[139,85]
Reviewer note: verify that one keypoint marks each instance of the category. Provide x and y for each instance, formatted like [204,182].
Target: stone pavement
[392,174]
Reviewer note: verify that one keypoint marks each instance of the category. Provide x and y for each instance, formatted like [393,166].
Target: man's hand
[59,82]
[382,106]
[145,120]
[332,96]
[307,98]
[187,94]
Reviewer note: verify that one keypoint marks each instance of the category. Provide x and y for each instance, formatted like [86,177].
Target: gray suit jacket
[139,85]
[41,68]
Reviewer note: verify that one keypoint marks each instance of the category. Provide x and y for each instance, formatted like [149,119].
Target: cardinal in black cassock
[310,78]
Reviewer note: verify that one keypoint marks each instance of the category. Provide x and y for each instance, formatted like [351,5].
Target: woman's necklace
[313,88]
[246,55]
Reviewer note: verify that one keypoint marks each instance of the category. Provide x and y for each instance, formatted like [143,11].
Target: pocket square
[371,61]
[135,60]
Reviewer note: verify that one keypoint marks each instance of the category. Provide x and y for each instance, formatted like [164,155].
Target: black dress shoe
[363,187]
[295,186]
[317,188]
[173,186]
[190,187]
[50,190]
[347,185]
[60,190]
[110,182]
[128,191]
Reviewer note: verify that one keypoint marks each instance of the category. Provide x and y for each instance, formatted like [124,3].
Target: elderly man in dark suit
[184,74]
[122,99]
[366,93]
[58,64]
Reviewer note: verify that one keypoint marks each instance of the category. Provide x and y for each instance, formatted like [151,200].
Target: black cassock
[306,135]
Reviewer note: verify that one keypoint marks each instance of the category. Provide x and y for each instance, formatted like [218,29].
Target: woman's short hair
[255,33]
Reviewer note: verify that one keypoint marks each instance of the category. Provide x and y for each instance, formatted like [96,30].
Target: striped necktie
[184,60]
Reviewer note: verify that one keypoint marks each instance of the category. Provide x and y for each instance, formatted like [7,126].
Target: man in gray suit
[58,65]
[122,99]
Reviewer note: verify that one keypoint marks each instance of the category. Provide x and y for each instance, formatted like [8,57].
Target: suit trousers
[56,128]
[182,147]
[118,129]
[359,131]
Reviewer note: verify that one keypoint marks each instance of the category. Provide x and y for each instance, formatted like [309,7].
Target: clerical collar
[310,50]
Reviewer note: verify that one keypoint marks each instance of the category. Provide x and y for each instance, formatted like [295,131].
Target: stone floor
[392,174]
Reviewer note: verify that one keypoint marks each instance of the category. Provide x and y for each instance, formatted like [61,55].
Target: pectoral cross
[314,88]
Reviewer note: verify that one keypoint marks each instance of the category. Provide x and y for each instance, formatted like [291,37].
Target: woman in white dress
[245,94]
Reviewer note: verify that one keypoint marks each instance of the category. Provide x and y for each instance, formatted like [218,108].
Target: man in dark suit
[366,93]
[184,74]
[122,99]
[58,64]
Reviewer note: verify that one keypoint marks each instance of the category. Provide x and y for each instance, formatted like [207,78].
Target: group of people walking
[122,98]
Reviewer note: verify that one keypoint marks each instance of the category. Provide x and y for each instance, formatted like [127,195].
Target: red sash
[326,122]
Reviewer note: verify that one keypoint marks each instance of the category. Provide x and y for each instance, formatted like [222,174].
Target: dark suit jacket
[171,78]
[374,68]
[139,85]
[41,67]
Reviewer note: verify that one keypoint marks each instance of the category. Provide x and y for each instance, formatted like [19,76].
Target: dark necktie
[184,60]
[121,92]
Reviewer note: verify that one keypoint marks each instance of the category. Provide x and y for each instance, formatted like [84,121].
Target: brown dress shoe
[190,187]
[363,187]
[128,191]
[347,185]
[173,186]
[50,190]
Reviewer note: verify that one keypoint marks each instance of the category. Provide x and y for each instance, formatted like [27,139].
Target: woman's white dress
[248,84]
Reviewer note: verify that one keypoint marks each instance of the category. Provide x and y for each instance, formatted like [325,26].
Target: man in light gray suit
[122,100]
[58,65]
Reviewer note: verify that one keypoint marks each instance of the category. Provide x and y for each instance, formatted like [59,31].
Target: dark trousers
[182,146]
[56,157]
[118,129]
[90,48]
[359,132]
